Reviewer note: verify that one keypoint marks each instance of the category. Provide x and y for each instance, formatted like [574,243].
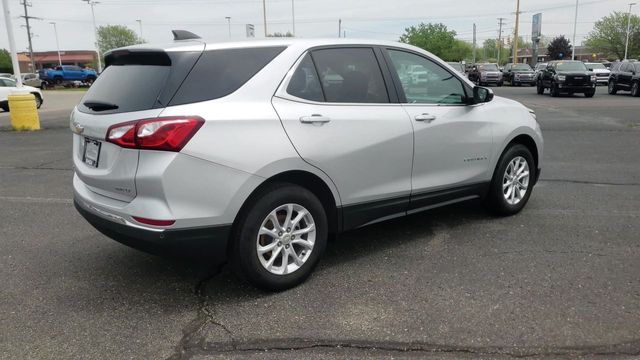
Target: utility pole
[139,21]
[339,27]
[626,45]
[264,16]
[474,43]
[293,17]
[26,17]
[95,31]
[12,43]
[229,22]
[55,30]
[515,40]
[500,23]
[575,22]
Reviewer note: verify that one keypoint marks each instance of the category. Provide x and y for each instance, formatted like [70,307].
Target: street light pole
[139,21]
[264,16]
[95,31]
[55,30]
[575,22]
[12,42]
[229,22]
[293,17]
[626,45]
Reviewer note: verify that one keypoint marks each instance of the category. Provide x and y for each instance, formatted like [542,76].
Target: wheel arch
[305,179]
[526,140]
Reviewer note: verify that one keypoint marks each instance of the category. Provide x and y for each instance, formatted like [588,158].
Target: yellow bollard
[23,112]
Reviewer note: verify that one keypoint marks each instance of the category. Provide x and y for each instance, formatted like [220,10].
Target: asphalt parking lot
[559,280]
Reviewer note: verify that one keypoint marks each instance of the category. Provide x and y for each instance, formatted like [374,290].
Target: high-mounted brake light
[164,133]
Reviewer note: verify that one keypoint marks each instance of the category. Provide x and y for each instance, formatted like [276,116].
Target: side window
[626,67]
[425,82]
[2,84]
[350,75]
[305,83]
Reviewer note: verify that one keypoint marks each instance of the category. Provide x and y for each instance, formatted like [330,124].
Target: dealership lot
[560,278]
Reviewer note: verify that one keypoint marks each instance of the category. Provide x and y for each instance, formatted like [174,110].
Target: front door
[452,141]
[337,112]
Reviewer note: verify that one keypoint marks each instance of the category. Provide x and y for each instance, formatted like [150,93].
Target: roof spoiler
[184,35]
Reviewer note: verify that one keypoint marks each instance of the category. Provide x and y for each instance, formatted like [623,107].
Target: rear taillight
[164,133]
[153,221]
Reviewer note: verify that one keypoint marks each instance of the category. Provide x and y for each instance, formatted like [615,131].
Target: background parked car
[485,74]
[625,76]
[65,73]
[518,74]
[602,73]
[567,76]
[31,79]
[8,86]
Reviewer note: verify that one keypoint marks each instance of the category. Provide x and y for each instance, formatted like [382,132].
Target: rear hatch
[136,84]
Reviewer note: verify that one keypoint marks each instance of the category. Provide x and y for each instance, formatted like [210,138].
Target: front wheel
[612,90]
[589,93]
[280,239]
[635,89]
[512,181]
[38,101]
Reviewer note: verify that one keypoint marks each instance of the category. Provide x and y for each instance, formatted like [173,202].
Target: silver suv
[257,152]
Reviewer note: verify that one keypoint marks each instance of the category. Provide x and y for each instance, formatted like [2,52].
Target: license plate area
[91,153]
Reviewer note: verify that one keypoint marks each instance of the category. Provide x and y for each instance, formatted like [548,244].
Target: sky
[380,19]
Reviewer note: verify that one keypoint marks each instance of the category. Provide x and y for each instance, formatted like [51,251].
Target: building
[49,59]
[582,54]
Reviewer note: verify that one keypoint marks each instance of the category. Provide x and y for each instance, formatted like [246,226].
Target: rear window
[137,81]
[218,73]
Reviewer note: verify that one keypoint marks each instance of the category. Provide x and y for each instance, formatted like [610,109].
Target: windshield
[596,66]
[570,66]
[541,66]
[488,67]
[521,67]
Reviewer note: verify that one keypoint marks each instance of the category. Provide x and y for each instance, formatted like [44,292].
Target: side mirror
[482,95]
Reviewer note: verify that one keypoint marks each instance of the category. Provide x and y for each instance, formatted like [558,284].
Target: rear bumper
[207,243]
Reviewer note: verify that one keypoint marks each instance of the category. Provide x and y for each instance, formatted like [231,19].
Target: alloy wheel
[515,181]
[286,239]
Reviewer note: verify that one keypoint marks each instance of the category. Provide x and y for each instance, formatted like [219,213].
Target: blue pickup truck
[65,73]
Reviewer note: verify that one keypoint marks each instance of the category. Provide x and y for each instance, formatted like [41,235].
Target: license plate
[91,152]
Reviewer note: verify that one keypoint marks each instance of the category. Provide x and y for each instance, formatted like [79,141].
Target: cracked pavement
[559,280]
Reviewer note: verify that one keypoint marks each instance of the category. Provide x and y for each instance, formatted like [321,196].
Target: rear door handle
[425,117]
[314,119]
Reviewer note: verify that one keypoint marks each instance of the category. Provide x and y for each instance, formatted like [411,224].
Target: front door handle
[314,119]
[425,117]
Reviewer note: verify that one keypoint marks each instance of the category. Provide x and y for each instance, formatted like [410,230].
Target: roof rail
[184,35]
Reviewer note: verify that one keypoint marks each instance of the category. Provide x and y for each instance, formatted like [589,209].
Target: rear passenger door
[625,75]
[342,116]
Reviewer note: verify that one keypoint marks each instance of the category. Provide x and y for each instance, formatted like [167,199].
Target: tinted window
[218,73]
[305,83]
[488,67]
[637,66]
[425,82]
[136,81]
[570,66]
[350,75]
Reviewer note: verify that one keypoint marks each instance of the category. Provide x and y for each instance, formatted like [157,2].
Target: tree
[559,48]
[5,61]
[114,36]
[279,34]
[490,52]
[609,35]
[435,38]
[459,51]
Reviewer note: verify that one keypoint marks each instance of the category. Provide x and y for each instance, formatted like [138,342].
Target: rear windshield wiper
[100,105]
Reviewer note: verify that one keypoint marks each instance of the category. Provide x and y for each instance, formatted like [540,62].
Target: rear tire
[635,89]
[256,229]
[499,84]
[612,89]
[506,195]
[38,100]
